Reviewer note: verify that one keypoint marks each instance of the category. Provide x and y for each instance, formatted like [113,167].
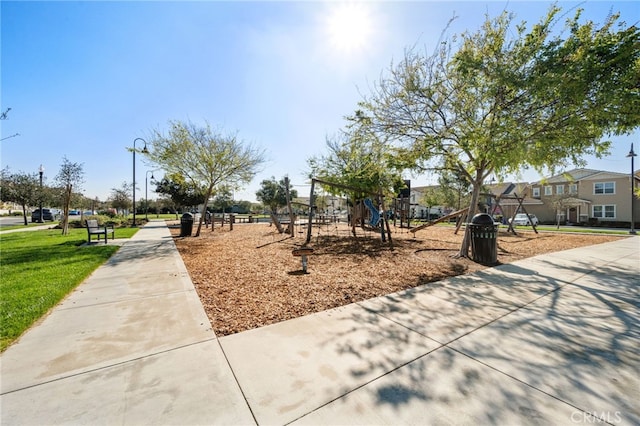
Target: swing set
[377,220]
[520,207]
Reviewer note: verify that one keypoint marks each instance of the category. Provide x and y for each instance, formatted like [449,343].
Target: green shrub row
[103,219]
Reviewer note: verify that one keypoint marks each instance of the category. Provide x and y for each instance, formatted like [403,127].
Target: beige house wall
[580,189]
[586,200]
[621,198]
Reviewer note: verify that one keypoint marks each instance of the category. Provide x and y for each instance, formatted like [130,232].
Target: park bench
[94,229]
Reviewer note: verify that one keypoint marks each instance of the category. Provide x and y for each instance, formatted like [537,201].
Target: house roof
[580,174]
[606,175]
[500,188]
[568,176]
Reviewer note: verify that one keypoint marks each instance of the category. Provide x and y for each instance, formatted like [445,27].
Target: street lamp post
[144,151]
[632,154]
[146,197]
[41,171]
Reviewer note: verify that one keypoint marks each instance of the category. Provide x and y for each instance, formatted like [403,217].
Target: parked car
[522,219]
[47,214]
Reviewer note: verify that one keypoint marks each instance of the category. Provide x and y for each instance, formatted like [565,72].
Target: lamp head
[631,153]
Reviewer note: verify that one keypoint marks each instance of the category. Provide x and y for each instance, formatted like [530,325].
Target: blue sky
[84,79]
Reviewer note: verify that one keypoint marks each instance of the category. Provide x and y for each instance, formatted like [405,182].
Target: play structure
[377,220]
[402,206]
[374,212]
[496,205]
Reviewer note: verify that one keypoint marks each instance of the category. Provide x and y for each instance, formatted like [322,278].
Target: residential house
[499,199]
[585,196]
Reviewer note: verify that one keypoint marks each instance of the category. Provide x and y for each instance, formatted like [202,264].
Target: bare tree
[70,175]
[119,197]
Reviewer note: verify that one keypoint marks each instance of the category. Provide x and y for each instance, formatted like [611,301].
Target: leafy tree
[182,193]
[361,159]
[70,175]
[20,188]
[119,198]
[205,157]
[500,103]
[223,200]
[358,158]
[273,194]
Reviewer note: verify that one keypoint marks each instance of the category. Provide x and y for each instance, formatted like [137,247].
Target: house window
[604,188]
[548,190]
[573,188]
[536,192]
[559,189]
[604,212]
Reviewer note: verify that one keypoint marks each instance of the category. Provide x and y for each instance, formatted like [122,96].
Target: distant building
[579,196]
[586,196]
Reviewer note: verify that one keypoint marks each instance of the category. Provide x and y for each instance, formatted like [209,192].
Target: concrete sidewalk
[547,340]
[132,345]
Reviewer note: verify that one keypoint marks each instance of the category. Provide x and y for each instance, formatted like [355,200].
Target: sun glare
[349,26]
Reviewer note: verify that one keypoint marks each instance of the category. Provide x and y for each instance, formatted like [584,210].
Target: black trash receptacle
[484,239]
[186,225]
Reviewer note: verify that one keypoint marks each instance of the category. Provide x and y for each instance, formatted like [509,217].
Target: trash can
[186,225]
[484,239]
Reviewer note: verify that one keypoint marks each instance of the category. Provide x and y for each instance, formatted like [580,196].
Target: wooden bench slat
[304,251]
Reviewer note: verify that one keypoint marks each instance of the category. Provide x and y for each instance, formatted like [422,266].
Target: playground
[248,277]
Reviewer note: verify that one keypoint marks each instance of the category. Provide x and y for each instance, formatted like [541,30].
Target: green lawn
[552,228]
[38,268]
[576,229]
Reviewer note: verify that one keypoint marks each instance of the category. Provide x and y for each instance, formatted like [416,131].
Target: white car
[522,219]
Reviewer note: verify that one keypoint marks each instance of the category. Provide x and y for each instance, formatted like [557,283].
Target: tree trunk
[65,210]
[204,210]
[289,206]
[276,222]
[475,196]
[24,214]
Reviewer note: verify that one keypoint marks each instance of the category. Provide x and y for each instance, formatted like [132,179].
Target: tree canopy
[273,194]
[181,192]
[206,157]
[20,188]
[359,159]
[489,103]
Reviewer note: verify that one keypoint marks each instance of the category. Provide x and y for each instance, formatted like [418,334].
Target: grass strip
[38,269]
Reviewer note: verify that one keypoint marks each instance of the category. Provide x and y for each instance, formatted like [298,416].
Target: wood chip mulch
[248,278]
